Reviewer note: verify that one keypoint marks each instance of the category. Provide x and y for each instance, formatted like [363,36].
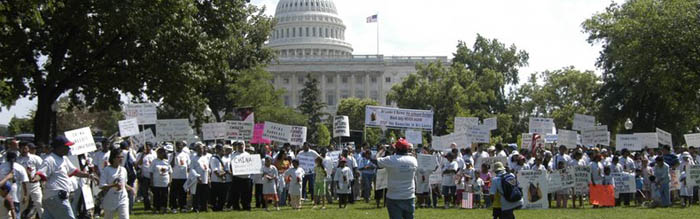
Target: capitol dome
[308,29]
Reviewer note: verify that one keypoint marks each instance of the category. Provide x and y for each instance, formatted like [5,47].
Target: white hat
[168,147]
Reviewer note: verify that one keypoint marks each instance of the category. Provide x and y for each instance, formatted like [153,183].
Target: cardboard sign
[214,131]
[582,122]
[240,130]
[692,178]
[307,162]
[246,164]
[382,179]
[377,116]
[174,130]
[562,179]
[692,139]
[665,137]
[144,136]
[535,188]
[491,123]
[541,125]
[624,182]
[582,177]
[82,139]
[145,113]
[341,126]
[435,178]
[478,134]
[627,141]
[277,132]
[648,140]
[567,138]
[427,162]
[129,127]
[414,136]
[526,141]
[334,156]
[298,135]
[462,123]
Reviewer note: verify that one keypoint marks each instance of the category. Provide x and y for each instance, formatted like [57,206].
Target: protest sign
[665,137]
[443,142]
[550,138]
[627,141]
[307,161]
[144,136]
[562,179]
[240,130]
[129,127]
[414,136]
[582,177]
[582,122]
[382,179]
[298,135]
[246,164]
[435,178]
[145,113]
[596,135]
[534,185]
[490,161]
[477,134]
[277,132]
[87,196]
[214,131]
[462,123]
[692,139]
[567,138]
[602,195]
[427,162]
[692,177]
[675,179]
[173,130]
[648,140]
[541,125]
[491,123]
[554,181]
[378,116]
[334,156]
[624,182]
[258,133]
[82,141]
[341,126]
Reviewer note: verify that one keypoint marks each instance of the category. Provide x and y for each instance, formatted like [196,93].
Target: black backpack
[509,185]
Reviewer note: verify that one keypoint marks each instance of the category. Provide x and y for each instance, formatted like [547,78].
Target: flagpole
[377,33]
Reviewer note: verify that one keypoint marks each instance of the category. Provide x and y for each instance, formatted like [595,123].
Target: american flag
[372,19]
[467,200]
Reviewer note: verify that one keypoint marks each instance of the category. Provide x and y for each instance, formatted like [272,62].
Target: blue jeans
[367,179]
[400,209]
[665,194]
[282,197]
[308,179]
[56,208]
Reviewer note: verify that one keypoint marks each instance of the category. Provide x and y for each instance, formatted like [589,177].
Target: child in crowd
[562,196]
[294,177]
[320,184]
[655,195]
[485,176]
[160,175]
[435,193]
[423,188]
[686,193]
[344,176]
[639,185]
[269,179]
[449,170]
[478,188]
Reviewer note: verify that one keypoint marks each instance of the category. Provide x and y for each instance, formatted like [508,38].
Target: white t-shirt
[20,176]
[449,178]
[343,175]
[31,163]
[181,165]
[202,167]
[400,172]
[114,198]
[296,176]
[217,165]
[100,160]
[56,170]
[146,163]
[161,173]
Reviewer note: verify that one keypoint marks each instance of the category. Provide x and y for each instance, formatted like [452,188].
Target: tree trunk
[43,118]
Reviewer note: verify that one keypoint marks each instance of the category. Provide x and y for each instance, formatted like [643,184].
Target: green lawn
[367,211]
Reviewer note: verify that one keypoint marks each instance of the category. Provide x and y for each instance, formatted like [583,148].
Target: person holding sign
[309,155]
[320,183]
[113,181]
[241,188]
[401,168]
[449,170]
[56,170]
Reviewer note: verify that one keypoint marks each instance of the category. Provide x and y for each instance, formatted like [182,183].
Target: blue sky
[549,30]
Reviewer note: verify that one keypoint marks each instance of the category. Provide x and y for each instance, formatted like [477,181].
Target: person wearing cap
[241,190]
[503,208]
[401,168]
[56,170]
[344,176]
[31,163]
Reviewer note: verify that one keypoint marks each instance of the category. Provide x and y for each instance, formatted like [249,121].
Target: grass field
[367,211]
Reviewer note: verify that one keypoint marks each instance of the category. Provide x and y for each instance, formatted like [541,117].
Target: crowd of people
[39,180]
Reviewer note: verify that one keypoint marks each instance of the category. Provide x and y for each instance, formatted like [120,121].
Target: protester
[145,159]
[242,184]
[180,164]
[269,178]
[219,171]
[294,176]
[449,171]
[31,163]
[113,181]
[160,175]
[663,177]
[502,207]
[320,184]
[344,176]
[401,168]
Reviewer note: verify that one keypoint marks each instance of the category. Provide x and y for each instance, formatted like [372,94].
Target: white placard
[648,139]
[307,161]
[665,137]
[427,162]
[435,178]
[246,164]
[82,141]
[582,175]
[174,130]
[129,127]
[87,197]
[444,142]
[581,122]
[597,135]
[692,139]
[535,188]
[145,113]
[414,136]
[462,123]
[627,141]
[298,135]
[692,176]
[214,131]
[491,123]
[541,125]
[478,134]
[335,156]
[382,179]
[341,126]
[624,182]
[550,138]
[490,161]
[378,116]
[144,136]
[240,130]
[567,138]
[277,132]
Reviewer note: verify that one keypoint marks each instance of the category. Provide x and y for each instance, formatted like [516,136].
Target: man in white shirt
[219,171]
[560,157]
[200,167]
[31,163]
[401,187]
[180,163]
[144,161]
[241,190]
[308,154]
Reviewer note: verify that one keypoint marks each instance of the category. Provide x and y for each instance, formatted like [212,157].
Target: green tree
[20,126]
[71,117]
[354,108]
[650,64]
[323,138]
[311,105]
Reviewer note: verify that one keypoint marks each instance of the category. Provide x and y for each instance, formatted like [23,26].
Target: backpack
[509,185]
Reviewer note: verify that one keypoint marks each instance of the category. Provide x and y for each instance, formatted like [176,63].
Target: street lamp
[628,124]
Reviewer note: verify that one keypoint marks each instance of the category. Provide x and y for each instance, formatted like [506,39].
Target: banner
[675,179]
[582,122]
[443,142]
[624,182]
[478,134]
[665,137]
[277,132]
[129,127]
[258,133]
[174,130]
[427,162]
[692,176]
[246,164]
[491,123]
[144,136]
[341,126]
[214,131]
[298,135]
[602,195]
[567,138]
[240,130]
[378,116]
[648,140]
[692,139]
[582,177]
[541,125]
[307,162]
[534,185]
[382,179]
[145,113]
[82,141]
[627,141]
[414,136]
[462,123]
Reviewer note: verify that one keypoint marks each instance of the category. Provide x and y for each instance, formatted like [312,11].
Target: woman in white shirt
[113,181]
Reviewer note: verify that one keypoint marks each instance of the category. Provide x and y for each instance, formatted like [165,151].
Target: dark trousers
[178,197]
[259,202]
[500,214]
[229,196]
[219,196]
[309,179]
[201,198]
[143,191]
[343,200]
[160,197]
[624,198]
[242,193]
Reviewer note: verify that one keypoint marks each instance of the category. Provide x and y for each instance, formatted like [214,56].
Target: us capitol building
[309,38]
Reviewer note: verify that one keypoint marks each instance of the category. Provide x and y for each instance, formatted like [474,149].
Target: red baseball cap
[402,144]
